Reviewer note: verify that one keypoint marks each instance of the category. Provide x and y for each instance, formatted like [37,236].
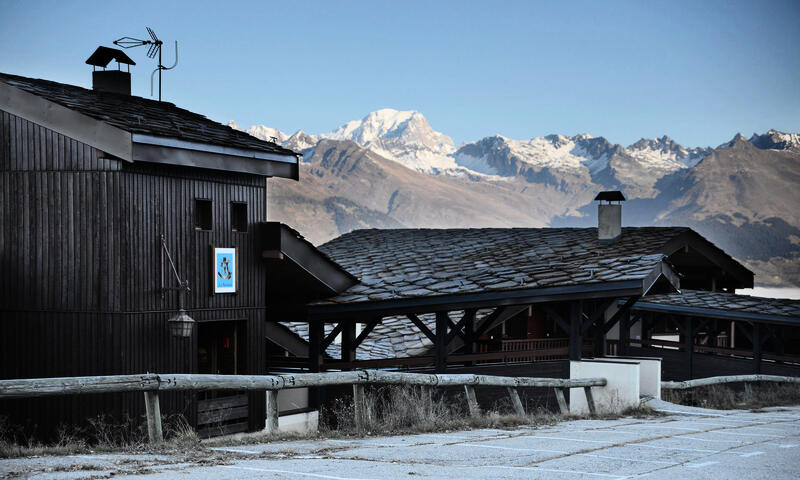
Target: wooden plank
[221,415]
[704,382]
[222,430]
[472,402]
[272,411]
[39,387]
[359,407]
[422,327]
[515,401]
[230,401]
[589,399]
[153,408]
[562,402]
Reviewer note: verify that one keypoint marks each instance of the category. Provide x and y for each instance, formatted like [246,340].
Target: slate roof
[141,115]
[726,303]
[408,263]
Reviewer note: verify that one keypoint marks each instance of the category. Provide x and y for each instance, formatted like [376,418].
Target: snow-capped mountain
[507,157]
[403,136]
[775,140]
[391,169]
[665,154]
[300,141]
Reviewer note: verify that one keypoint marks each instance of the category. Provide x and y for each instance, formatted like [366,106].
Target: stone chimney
[609,216]
[114,81]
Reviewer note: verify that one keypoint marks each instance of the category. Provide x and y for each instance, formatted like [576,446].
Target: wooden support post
[688,347]
[427,396]
[599,331]
[442,322]
[515,401]
[575,336]
[469,335]
[778,338]
[756,348]
[589,399]
[348,341]
[624,334]
[599,342]
[562,402]
[472,401]
[316,332]
[272,411]
[359,407]
[153,410]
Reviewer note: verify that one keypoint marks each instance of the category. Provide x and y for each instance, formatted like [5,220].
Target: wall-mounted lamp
[180,324]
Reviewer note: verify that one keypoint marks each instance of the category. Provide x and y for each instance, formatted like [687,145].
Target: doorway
[220,351]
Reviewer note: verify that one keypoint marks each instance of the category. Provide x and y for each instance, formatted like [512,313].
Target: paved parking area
[685,444]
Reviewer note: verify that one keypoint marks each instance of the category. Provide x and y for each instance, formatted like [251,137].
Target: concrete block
[620,393]
[299,422]
[649,373]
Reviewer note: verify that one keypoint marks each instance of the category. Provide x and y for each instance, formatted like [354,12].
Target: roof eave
[619,288]
[714,313]
[66,121]
[713,253]
[190,154]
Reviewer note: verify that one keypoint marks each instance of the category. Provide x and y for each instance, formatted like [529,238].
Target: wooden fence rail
[151,384]
[704,382]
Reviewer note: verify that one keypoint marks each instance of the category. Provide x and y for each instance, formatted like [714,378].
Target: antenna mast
[153,49]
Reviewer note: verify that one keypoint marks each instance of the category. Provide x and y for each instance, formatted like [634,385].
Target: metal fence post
[153,410]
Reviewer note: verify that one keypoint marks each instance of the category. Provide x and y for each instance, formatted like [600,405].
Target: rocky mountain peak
[776,140]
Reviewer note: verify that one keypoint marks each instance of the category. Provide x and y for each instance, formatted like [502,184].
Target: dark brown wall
[80,250]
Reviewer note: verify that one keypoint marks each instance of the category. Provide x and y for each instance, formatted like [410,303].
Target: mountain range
[391,169]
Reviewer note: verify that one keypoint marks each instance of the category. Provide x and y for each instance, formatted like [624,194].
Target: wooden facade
[81,253]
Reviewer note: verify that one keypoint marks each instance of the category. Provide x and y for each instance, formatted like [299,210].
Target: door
[220,352]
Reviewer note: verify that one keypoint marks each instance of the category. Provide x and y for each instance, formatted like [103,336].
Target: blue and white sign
[224,270]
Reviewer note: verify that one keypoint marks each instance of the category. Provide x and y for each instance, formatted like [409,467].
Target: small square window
[238,217]
[202,214]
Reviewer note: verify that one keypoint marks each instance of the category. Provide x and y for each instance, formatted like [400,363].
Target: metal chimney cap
[610,196]
[104,55]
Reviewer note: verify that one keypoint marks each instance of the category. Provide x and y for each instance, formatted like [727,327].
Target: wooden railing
[151,384]
[704,382]
[541,354]
[612,347]
[536,349]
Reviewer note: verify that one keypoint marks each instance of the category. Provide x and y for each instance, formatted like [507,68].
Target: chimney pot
[114,81]
[609,216]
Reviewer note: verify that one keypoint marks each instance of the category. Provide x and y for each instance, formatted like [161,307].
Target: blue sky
[697,71]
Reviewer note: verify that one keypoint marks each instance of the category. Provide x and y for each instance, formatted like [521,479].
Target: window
[238,217]
[202,214]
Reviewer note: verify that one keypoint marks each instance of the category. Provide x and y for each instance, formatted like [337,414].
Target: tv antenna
[153,49]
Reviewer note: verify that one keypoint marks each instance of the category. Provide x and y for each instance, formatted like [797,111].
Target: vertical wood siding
[80,252]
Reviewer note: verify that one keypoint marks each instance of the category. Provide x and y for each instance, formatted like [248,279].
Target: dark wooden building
[101,194]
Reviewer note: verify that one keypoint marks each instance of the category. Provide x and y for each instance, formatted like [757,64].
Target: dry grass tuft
[101,434]
[737,396]
[393,410]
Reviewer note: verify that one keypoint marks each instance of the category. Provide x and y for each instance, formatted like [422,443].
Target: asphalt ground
[686,443]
